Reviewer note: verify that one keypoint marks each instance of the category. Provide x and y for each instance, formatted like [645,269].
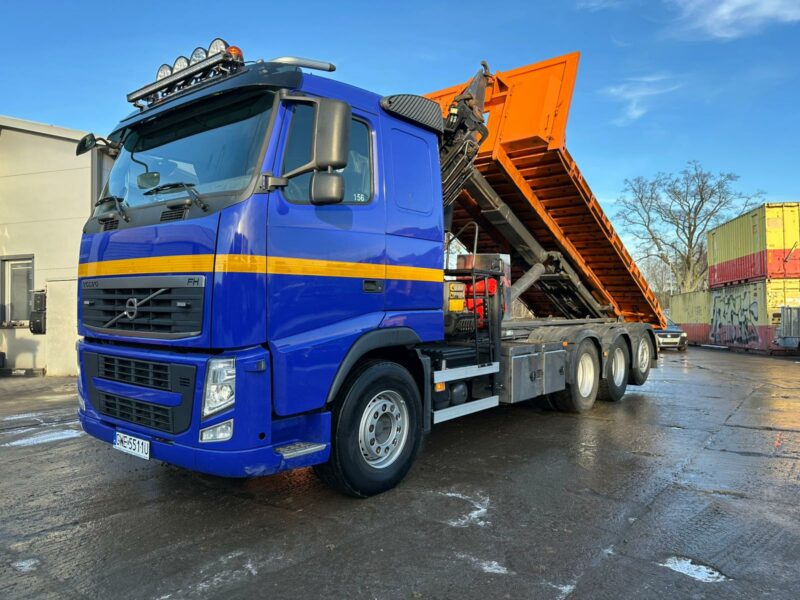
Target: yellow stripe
[414,273]
[189,263]
[247,263]
[280,265]
[241,263]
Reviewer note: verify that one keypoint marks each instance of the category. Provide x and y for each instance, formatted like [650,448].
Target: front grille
[145,414]
[168,306]
[138,372]
[173,214]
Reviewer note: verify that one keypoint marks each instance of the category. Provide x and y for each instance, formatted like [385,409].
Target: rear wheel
[579,396]
[613,387]
[640,369]
[376,430]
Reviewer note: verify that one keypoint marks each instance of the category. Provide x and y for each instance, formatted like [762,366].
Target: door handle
[372,286]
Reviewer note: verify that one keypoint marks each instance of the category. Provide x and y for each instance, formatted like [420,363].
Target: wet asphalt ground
[688,488]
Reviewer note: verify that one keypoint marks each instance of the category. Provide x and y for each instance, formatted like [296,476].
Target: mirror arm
[270,183]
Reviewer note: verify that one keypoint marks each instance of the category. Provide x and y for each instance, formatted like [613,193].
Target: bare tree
[670,214]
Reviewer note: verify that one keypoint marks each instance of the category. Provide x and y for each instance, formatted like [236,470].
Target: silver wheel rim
[383,431]
[644,355]
[618,367]
[585,375]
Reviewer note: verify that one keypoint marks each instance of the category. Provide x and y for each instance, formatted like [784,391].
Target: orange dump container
[525,160]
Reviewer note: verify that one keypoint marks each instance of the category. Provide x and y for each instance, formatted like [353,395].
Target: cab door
[326,265]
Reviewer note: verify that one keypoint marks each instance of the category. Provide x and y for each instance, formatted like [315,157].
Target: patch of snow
[44,438]
[564,590]
[487,566]
[27,565]
[34,415]
[694,570]
[474,517]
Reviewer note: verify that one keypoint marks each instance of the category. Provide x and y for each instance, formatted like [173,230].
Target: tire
[682,348]
[579,396]
[612,387]
[380,398]
[640,365]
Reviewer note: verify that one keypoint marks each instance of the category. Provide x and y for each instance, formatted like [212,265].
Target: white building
[46,195]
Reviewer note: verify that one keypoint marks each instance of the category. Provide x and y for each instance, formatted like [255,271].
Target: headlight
[197,55]
[163,71]
[684,334]
[220,392]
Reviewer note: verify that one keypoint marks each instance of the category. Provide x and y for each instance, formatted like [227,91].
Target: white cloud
[729,19]
[636,94]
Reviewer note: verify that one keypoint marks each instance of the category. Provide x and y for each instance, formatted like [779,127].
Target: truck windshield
[212,147]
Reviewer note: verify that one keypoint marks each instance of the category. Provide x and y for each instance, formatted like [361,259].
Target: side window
[357,174]
[298,152]
[16,279]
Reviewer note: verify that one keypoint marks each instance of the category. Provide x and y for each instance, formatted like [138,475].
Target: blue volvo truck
[269,281]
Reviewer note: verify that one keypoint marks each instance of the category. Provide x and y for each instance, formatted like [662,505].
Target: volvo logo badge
[131,308]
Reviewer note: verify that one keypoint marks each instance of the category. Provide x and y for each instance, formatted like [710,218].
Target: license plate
[132,445]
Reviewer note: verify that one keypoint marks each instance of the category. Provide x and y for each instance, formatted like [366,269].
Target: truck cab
[262,282]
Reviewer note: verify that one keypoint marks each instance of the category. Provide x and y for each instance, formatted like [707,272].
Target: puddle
[694,570]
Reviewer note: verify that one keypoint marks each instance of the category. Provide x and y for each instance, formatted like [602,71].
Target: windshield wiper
[117,206]
[194,195]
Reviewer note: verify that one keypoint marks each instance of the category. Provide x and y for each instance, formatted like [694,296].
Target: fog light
[220,391]
[217,433]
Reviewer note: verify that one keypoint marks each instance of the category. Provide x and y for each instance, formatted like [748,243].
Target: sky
[660,82]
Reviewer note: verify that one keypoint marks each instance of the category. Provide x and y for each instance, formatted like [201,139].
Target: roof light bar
[308,63]
[182,75]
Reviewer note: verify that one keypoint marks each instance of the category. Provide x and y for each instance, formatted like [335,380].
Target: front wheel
[640,369]
[376,430]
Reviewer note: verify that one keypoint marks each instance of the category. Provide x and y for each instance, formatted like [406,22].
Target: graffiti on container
[734,318]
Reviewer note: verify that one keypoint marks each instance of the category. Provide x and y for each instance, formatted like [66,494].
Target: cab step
[453,412]
[296,449]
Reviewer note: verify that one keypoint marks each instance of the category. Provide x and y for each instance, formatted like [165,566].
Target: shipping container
[692,311]
[748,315]
[761,244]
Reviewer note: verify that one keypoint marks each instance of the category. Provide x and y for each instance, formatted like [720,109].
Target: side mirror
[145,181]
[326,188]
[86,143]
[331,134]
[330,143]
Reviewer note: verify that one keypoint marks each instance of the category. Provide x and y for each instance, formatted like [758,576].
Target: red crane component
[525,160]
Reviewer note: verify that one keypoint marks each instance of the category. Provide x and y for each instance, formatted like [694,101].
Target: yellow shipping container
[747,315]
[691,307]
[763,243]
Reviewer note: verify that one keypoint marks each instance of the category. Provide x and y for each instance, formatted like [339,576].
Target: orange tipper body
[525,159]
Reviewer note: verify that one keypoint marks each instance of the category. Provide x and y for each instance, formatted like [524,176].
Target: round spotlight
[163,71]
[180,63]
[217,46]
[197,55]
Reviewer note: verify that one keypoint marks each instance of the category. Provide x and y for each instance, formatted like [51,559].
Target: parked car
[672,337]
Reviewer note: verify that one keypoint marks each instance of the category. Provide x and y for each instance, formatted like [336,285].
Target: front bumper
[257,437]
[671,342]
